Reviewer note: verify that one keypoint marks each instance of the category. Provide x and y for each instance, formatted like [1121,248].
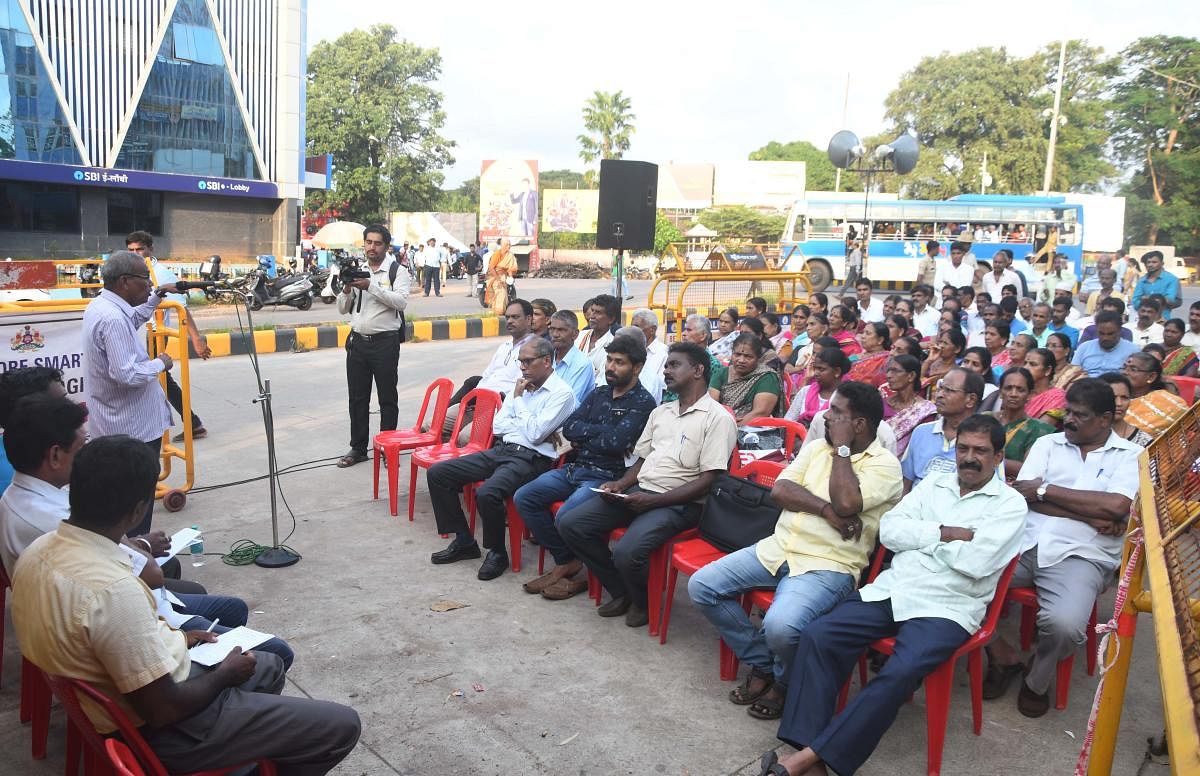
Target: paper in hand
[211,653]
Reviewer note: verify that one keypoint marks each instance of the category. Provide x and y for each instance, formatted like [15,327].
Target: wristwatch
[1041,491]
[843,451]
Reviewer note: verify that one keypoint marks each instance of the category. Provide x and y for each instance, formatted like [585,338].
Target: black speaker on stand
[627,208]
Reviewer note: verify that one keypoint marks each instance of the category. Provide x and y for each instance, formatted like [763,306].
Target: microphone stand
[277,556]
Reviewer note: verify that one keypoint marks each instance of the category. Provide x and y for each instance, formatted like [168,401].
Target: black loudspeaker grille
[628,198]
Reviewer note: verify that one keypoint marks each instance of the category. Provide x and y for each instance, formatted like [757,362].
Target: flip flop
[349,459]
[564,589]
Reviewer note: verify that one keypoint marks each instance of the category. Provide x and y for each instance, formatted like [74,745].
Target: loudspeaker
[628,198]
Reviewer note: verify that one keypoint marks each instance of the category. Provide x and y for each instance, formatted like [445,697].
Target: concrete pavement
[564,691]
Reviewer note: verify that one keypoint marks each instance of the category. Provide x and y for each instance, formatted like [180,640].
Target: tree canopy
[741,222]
[819,172]
[608,126]
[370,105]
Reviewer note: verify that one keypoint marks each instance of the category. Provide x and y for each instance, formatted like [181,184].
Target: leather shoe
[998,678]
[456,552]
[493,565]
[1032,704]
[636,617]
[614,608]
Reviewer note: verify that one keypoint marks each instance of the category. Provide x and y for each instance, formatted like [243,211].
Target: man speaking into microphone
[375,304]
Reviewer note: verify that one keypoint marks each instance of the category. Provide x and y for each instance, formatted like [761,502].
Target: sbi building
[183,118]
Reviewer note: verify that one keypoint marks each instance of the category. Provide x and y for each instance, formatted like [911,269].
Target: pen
[214,624]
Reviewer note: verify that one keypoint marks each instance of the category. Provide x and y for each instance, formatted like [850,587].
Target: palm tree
[607,120]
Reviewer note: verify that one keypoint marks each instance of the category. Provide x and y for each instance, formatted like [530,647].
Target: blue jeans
[799,600]
[232,612]
[533,499]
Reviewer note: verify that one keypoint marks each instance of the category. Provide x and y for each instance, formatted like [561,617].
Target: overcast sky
[709,81]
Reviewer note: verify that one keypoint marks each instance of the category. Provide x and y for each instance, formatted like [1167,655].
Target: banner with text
[570,210]
[508,200]
[45,339]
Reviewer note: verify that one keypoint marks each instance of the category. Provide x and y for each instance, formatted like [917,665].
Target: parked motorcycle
[294,290]
[481,289]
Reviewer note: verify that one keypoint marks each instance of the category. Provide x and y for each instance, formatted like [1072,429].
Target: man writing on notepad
[80,613]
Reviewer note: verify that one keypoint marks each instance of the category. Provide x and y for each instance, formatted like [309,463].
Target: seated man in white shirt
[925,317]
[537,407]
[43,436]
[955,271]
[953,536]
[1079,485]
[870,309]
[651,375]
[601,312]
[503,370]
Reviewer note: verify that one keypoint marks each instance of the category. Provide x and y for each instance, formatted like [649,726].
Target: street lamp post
[1055,119]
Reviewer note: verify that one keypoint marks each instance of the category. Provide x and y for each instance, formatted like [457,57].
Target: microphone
[188,285]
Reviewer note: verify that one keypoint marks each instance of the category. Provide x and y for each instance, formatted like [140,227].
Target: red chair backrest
[442,387]
[996,606]
[122,759]
[486,404]
[762,472]
[71,692]
[1187,387]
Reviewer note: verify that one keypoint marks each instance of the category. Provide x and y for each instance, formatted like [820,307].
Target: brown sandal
[564,589]
[541,583]
[742,695]
[770,705]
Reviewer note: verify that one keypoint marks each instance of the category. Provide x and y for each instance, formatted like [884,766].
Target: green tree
[665,233]
[608,126]
[739,222]
[370,105]
[819,172]
[961,106]
[1156,134]
[464,199]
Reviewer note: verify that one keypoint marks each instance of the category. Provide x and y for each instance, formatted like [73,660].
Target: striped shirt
[120,383]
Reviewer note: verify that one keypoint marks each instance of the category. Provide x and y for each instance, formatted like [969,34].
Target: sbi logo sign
[200,185]
[78,175]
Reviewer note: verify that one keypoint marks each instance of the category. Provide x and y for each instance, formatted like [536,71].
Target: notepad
[209,654]
[611,493]
[179,542]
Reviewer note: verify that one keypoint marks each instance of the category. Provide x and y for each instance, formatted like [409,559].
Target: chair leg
[729,662]
[40,711]
[375,472]
[516,535]
[74,748]
[937,710]
[844,693]
[594,590]
[975,674]
[412,488]
[1028,626]
[656,585]
[393,475]
[672,577]
[27,690]
[541,560]
[1062,682]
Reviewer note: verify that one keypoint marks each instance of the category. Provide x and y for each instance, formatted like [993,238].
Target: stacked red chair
[486,404]
[390,444]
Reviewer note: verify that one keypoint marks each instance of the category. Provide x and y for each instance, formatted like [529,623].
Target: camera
[350,270]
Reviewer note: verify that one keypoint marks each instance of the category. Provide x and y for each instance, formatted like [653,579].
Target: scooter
[291,289]
[481,289]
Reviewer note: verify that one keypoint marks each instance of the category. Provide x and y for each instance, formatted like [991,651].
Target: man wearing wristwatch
[1079,485]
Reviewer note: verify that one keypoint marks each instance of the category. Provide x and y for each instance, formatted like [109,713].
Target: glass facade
[187,120]
[38,207]
[33,127]
[131,211]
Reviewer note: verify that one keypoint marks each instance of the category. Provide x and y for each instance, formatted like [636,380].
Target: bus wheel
[820,274]
[174,500]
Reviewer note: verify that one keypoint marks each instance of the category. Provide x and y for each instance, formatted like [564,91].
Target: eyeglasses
[145,277]
[529,361]
[941,386]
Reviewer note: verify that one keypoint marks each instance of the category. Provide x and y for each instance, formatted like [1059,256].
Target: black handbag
[737,513]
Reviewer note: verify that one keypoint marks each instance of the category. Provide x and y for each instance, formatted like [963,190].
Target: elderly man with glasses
[120,384]
[931,446]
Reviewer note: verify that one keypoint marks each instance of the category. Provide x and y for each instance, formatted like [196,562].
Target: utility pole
[837,180]
[1054,118]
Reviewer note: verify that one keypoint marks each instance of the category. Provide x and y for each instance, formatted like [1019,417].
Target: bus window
[823,229]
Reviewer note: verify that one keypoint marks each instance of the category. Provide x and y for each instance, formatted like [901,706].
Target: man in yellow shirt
[832,496]
[80,613]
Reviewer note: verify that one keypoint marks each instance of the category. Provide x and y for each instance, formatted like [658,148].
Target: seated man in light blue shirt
[931,446]
[953,535]
[523,449]
[1058,319]
[1079,485]
[571,366]
[1106,353]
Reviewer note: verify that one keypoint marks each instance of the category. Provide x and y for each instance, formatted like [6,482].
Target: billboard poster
[570,210]
[508,200]
[45,339]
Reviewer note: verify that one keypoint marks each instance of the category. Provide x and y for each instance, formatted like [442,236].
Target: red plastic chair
[1187,387]
[1027,598]
[391,444]
[940,682]
[35,695]
[122,759]
[96,756]
[694,554]
[557,505]
[486,404]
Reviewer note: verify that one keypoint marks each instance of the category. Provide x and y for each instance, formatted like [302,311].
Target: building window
[38,207]
[33,127]
[131,211]
[188,120]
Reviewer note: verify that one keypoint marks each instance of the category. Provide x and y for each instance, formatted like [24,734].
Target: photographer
[376,305]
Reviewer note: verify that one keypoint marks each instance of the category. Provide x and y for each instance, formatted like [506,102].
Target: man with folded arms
[81,614]
[832,497]
[1079,485]
[952,535]
[524,448]
[685,444]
